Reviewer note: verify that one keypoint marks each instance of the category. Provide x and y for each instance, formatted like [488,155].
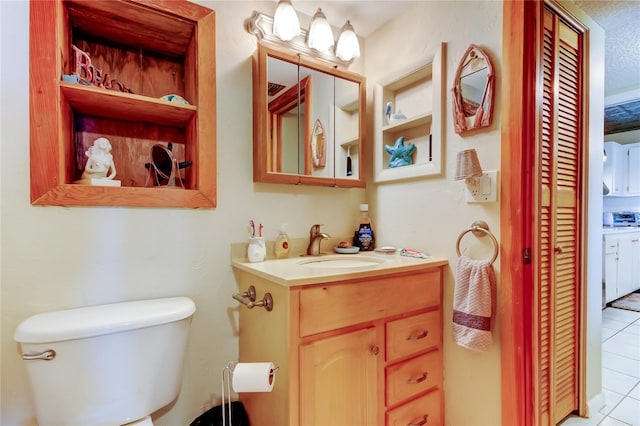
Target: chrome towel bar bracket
[248,298]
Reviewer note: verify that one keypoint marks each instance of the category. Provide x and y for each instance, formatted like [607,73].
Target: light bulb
[320,36]
[348,46]
[285,21]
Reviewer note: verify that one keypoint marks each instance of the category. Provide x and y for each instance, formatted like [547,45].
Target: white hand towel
[473,297]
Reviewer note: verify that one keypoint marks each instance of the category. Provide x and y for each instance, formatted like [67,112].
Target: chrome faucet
[315,238]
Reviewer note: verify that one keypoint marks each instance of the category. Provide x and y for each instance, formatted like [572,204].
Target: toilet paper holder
[225,382]
[248,298]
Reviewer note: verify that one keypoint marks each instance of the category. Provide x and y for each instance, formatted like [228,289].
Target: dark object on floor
[630,302]
[213,416]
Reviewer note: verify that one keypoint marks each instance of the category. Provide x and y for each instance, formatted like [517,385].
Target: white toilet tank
[110,364]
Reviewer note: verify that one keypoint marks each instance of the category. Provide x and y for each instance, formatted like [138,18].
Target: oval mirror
[165,166]
[473,91]
[318,146]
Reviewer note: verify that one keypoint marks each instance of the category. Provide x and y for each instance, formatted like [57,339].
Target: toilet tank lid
[90,321]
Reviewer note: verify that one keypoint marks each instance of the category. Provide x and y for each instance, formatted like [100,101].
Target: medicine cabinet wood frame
[421,86]
[179,33]
[262,155]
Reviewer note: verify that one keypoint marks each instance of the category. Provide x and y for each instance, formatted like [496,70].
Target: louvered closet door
[558,239]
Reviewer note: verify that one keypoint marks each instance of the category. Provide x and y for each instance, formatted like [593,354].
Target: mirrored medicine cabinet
[309,121]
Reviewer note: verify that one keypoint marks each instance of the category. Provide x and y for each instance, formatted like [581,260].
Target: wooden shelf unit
[417,91]
[156,48]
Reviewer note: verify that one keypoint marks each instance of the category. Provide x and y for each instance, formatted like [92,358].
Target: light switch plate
[483,189]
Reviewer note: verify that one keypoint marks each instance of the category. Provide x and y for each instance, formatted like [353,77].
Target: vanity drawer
[333,306]
[413,334]
[413,376]
[426,410]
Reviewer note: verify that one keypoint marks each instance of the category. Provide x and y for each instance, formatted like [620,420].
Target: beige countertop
[301,270]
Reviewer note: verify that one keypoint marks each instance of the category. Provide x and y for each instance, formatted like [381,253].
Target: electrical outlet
[483,189]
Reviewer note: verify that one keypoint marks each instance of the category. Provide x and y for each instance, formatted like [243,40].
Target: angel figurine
[100,161]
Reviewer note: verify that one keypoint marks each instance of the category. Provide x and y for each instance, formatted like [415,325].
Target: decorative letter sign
[89,74]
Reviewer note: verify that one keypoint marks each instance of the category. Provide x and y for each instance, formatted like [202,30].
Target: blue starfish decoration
[400,154]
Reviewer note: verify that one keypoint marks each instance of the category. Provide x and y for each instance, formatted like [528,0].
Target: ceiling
[619,19]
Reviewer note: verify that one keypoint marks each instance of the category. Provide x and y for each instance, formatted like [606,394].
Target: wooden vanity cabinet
[358,352]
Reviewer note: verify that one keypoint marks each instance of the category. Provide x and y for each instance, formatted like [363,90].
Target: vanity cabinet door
[339,380]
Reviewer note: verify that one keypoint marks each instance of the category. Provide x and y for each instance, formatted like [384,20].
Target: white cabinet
[610,268]
[634,170]
[621,170]
[621,264]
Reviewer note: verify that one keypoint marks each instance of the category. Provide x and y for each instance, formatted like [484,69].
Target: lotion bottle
[363,236]
[282,243]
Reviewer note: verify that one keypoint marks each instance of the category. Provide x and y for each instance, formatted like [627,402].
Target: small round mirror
[165,166]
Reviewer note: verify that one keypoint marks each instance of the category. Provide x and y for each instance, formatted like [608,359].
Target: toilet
[105,365]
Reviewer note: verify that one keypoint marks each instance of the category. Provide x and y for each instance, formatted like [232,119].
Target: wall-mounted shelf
[417,92]
[351,142]
[155,49]
[410,122]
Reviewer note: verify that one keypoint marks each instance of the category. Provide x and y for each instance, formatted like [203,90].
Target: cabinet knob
[374,350]
[418,336]
[421,422]
[559,249]
[418,380]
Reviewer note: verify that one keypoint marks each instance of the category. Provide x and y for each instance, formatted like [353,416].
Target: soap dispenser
[282,243]
[363,237]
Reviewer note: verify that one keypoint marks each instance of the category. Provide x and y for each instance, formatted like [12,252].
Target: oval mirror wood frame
[469,115]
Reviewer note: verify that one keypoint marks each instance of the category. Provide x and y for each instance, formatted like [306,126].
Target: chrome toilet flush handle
[47,355]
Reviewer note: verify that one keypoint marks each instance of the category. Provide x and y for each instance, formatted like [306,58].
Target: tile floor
[620,371]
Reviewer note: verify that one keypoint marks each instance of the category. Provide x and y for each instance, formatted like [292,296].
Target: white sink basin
[345,262]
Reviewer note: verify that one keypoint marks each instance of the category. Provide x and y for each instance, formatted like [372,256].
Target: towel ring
[479,228]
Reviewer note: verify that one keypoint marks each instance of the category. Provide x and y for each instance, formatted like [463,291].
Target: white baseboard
[596,404]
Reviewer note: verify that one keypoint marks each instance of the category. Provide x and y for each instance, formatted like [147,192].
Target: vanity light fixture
[320,35]
[317,42]
[348,46]
[285,21]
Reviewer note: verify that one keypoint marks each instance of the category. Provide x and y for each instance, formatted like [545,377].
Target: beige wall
[430,213]
[56,258]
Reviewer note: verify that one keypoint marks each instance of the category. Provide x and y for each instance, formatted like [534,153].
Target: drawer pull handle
[421,422]
[418,336]
[374,350]
[418,380]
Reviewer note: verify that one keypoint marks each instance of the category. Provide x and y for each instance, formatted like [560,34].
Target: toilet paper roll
[253,377]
